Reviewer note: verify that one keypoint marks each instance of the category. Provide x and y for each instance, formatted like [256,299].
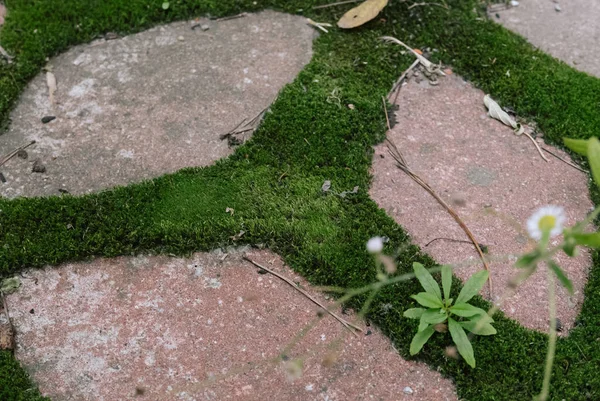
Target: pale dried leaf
[51,81]
[429,66]
[10,285]
[229,210]
[495,111]
[361,14]
[326,186]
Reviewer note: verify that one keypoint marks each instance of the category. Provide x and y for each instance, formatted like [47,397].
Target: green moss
[274,182]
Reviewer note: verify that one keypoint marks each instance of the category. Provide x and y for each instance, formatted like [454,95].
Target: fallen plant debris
[496,112]
[402,165]
[338,3]
[242,128]
[47,119]
[353,328]
[564,160]
[319,25]
[51,82]
[443,5]
[15,152]
[429,66]
[361,14]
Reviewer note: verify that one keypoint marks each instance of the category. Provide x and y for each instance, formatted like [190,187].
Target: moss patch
[273,182]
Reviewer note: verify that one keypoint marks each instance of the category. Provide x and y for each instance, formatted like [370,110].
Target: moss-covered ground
[274,181]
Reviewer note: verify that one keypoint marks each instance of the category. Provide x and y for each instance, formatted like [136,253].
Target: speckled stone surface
[2,13]
[494,179]
[571,34]
[205,328]
[151,103]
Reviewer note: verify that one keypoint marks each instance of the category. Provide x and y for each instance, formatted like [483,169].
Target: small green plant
[443,314]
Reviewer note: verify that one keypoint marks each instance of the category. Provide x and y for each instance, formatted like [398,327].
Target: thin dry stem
[402,165]
[536,146]
[445,6]
[14,152]
[339,3]
[564,161]
[346,324]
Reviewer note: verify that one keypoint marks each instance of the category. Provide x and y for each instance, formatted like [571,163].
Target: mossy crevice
[274,182]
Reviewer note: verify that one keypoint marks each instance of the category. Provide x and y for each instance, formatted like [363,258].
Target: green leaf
[570,245]
[420,339]
[588,239]
[527,260]
[465,310]
[561,275]
[577,145]
[422,325]
[433,316]
[485,329]
[426,280]
[446,281]
[472,286]
[428,300]
[462,342]
[593,155]
[414,313]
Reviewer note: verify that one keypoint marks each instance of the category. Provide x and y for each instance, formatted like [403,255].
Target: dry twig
[319,25]
[564,161]
[14,152]
[398,82]
[339,3]
[244,126]
[232,17]
[345,323]
[402,165]
[428,4]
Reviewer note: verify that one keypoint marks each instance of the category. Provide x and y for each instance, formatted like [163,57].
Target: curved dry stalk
[345,323]
[402,165]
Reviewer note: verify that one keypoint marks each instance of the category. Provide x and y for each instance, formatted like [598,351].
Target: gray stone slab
[572,34]
[148,104]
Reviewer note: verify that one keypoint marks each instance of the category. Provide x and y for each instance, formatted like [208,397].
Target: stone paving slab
[572,34]
[204,328]
[2,13]
[494,179]
[151,103]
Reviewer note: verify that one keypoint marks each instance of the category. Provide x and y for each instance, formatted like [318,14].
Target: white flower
[375,245]
[547,218]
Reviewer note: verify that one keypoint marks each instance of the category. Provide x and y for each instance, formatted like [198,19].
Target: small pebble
[204,27]
[181,38]
[38,167]
[557,7]
[2,178]
[47,119]
[514,3]
[408,390]
[22,154]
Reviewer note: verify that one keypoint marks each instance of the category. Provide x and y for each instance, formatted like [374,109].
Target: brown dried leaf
[361,14]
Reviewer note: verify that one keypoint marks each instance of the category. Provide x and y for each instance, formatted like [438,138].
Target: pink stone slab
[204,328]
[494,179]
